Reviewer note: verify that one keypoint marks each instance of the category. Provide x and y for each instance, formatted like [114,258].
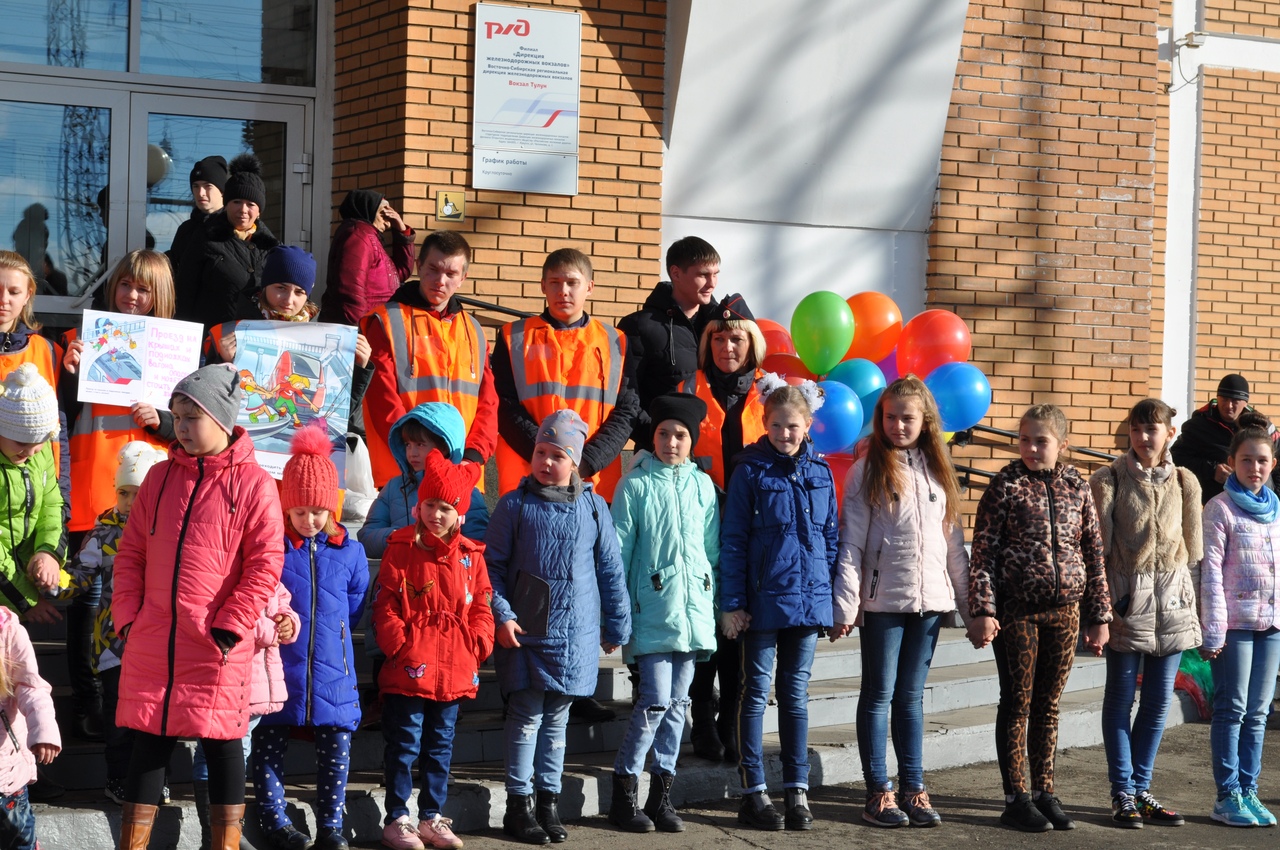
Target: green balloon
[822,329]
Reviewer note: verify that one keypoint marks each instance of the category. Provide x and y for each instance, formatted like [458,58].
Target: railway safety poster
[131,359]
[294,373]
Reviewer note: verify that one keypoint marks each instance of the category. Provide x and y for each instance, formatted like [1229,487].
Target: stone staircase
[959,705]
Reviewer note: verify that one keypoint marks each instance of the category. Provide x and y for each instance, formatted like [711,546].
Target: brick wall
[1243,17]
[1042,234]
[1237,304]
[404,126]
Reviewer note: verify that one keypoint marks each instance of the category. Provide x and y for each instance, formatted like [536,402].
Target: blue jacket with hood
[392,509]
[779,537]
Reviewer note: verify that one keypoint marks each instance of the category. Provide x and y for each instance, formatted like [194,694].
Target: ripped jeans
[535,729]
[657,721]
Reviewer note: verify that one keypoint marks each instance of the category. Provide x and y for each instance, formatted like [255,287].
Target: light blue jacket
[668,523]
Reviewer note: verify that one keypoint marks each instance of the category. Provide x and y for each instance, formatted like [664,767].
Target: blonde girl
[902,567]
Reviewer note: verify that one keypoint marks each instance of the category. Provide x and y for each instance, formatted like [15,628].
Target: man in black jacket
[1206,437]
[663,335]
[208,181]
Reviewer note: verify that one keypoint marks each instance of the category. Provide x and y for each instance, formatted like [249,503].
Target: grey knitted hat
[216,389]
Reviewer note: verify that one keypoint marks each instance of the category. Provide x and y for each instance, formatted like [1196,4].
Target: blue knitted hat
[287,264]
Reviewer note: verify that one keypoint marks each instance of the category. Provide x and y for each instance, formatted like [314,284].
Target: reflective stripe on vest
[606,395]
[407,379]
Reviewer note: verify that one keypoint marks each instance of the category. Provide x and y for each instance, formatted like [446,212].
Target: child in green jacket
[668,524]
[33,540]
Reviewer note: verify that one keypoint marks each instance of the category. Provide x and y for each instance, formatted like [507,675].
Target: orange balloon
[776,338]
[877,324]
[788,366]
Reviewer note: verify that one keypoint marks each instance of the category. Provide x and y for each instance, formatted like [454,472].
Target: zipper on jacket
[28,502]
[342,634]
[173,598]
[311,630]
[1053,541]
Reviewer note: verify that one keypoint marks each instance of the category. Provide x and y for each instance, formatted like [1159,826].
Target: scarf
[308,312]
[1263,506]
[551,493]
[361,205]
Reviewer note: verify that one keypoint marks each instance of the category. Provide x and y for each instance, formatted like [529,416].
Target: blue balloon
[837,423]
[865,379]
[963,394]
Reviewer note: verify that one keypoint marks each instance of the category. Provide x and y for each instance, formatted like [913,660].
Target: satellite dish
[158,164]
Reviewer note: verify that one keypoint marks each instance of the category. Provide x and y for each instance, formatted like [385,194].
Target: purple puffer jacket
[1239,573]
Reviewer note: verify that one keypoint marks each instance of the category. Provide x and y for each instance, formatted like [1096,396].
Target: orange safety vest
[709,452]
[436,360]
[96,437]
[45,355]
[575,368]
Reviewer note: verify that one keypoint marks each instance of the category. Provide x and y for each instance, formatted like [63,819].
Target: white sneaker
[400,835]
[436,833]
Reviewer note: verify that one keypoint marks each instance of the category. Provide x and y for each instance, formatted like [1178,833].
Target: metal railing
[964,438]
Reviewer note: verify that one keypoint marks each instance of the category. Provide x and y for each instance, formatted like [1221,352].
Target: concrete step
[477,798]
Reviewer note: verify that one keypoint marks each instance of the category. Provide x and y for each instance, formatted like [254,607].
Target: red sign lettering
[492,28]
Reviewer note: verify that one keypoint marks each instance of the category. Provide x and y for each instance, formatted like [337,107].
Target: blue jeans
[1244,683]
[657,720]
[1131,745]
[793,648]
[333,761]
[17,822]
[896,652]
[421,730]
[535,729]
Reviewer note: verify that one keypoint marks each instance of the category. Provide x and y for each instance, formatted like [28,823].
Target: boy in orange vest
[563,359]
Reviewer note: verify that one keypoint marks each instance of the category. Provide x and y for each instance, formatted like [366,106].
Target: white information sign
[131,359]
[527,96]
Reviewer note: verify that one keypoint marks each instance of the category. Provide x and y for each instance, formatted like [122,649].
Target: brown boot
[225,822]
[135,825]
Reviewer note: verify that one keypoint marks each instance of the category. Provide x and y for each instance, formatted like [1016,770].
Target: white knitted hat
[28,406]
[136,459]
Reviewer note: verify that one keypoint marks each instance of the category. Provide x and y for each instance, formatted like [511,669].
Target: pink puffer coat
[267,691]
[28,710]
[201,551]
[906,559]
[1240,573]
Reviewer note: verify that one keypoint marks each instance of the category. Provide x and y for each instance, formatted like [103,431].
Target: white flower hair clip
[771,381]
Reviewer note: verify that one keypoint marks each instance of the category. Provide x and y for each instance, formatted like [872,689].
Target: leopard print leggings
[1033,652]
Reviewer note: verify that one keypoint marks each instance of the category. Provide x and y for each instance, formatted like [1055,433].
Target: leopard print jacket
[1037,544]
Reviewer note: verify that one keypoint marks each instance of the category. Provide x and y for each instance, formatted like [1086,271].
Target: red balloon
[931,339]
[877,324]
[840,463]
[776,338]
[787,365]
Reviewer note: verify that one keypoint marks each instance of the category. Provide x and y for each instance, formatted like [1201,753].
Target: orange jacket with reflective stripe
[48,359]
[420,356]
[96,436]
[710,440]
[553,368]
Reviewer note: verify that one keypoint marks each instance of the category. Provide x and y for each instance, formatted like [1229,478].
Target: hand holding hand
[1096,637]
[609,648]
[839,630]
[284,627]
[145,415]
[734,623]
[506,634]
[982,630]
[43,569]
[1210,654]
[43,613]
[71,360]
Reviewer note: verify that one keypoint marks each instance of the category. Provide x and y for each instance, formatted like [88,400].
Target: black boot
[757,810]
[798,815]
[548,816]
[706,738]
[658,807]
[86,690]
[624,812]
[202,813]
[520,823]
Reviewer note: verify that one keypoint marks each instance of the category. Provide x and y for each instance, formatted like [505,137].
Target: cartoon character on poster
[293,374]
[112,343]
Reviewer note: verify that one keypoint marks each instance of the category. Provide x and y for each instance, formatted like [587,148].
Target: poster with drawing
[293,373]
[130,359]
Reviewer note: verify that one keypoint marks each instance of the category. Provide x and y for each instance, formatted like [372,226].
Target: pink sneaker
[400,835]
[436,833]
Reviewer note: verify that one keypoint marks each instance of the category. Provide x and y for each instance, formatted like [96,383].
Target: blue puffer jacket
[778,538]
[557,564]
[327,577]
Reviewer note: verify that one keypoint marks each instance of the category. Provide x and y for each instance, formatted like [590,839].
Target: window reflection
[53,166]
[250,41]
[66,33]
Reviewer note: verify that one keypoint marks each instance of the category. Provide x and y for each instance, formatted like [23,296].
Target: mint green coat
[30,522]
[668,524]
